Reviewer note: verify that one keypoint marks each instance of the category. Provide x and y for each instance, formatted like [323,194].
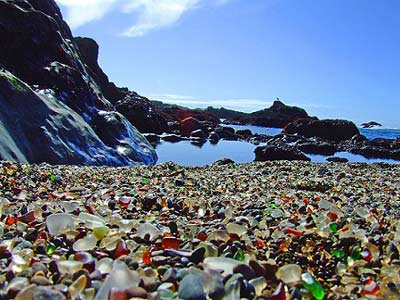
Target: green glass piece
[50,249]
[274,206]
[313,286]
[356,253]
[53,177]
[133,192]
[239,255]
[333,227]
[264,212]
[166,294]
[145,181]
[338,253]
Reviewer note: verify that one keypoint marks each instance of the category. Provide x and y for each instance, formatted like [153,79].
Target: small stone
[245,270]
[170,275]
[137,292]
[197,255]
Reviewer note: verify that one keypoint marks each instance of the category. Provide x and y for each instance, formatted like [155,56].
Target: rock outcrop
[332,130]
[51,102]
[278,116]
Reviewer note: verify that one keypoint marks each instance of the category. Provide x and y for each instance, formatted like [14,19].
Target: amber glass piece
[332,216]
[146,257]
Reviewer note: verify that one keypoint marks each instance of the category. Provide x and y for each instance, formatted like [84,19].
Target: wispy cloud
[147,15]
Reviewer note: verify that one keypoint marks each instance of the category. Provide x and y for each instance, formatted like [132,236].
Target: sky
[334,58]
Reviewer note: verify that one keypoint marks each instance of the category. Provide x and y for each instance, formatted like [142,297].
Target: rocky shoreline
[265,230]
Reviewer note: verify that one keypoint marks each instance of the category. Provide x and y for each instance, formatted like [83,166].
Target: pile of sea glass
[271,230]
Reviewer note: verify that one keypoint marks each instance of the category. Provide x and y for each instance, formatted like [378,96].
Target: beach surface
[265,230]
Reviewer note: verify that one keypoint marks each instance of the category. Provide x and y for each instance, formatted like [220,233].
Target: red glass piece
[202,236]
[11,220]
[293,232]
[121,249]
[279,294]
[116,294]
[28,217]
[332,216]
[170,242]
[259,243]
[87,260]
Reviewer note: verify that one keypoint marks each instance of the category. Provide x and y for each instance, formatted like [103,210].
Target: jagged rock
[279,152]
[63,97]
[333,130]
[139,111]
[36,127]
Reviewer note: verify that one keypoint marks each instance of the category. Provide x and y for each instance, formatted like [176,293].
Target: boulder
[226,133]
[141,113]
[199,133]
[332,130]
[245,133]
[190,124]
[279,152]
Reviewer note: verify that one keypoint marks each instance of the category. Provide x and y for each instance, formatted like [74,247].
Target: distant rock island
[371,124]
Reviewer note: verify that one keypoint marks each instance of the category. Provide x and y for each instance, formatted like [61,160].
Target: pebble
[191,288]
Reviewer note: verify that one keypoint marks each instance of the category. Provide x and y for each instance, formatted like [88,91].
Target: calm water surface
[187,154]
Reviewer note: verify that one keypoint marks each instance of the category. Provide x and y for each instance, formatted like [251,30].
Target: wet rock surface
[48,89]
[265,230]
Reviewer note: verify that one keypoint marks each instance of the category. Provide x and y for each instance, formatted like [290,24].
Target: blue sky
[335,58]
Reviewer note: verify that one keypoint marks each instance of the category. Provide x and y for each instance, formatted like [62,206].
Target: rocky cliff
[53,108]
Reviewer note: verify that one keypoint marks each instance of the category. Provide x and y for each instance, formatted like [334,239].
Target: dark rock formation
[226,133]
[190,124]
[66,103]
[371,124]
[316,147]
[139,110]
[279,152]
[224,113]
[278,115]
[333,130]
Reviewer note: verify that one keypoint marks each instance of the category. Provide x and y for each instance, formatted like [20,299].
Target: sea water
[187,154]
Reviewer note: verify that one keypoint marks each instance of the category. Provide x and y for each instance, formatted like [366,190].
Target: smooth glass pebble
[87,243]
[69,266]
[289,274]
[59,223]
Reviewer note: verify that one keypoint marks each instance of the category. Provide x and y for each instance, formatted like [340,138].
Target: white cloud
[148,15]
